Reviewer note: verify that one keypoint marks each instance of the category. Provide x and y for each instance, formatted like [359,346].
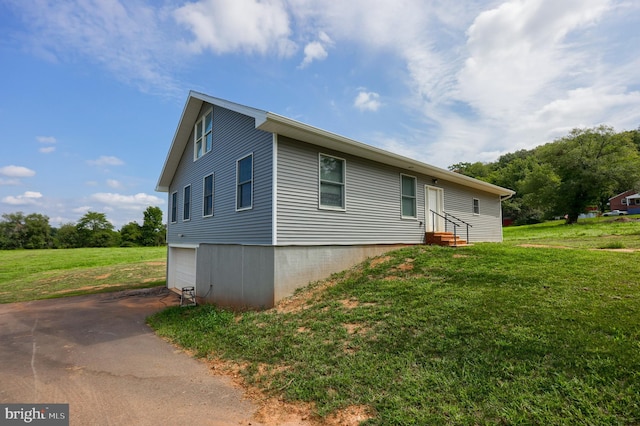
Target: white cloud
[367,101]
[133,40]
[112,183]
[224,26]
[28,198]
[313,51]
[127,202]
[46,139]
[8,182]
[105,160]
[518,54]
[47,149]
[316,50]
[16,171]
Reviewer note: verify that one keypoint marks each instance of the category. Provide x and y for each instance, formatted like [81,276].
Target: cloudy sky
[91,90]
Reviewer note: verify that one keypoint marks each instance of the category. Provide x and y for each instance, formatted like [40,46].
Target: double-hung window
[476,206]
[174,207]
[186,203]
[244,183]
[332,182]
[207,196]
[203,135]
[408,189]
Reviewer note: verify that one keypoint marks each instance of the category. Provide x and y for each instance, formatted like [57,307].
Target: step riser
[446,239]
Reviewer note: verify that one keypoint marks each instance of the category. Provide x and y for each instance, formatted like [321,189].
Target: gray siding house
[260,204]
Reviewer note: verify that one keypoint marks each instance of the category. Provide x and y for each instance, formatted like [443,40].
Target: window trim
[403,196]
[321,206]
[186,204]
[204,194]
[475,206]
[240,209]
[174,207]
[201,122]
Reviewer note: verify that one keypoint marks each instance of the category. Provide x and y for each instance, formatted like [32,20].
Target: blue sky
[91,90]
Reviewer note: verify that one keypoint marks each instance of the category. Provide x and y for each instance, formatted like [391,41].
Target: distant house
[260,204]
[628,201]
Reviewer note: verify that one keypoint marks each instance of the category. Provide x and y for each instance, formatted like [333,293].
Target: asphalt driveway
[97,354]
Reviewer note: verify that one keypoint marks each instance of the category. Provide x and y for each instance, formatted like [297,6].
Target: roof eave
[275,123]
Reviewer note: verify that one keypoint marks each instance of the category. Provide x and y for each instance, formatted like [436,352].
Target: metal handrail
[460,220]
[455,225]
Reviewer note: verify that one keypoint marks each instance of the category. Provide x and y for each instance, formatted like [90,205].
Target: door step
[446,239]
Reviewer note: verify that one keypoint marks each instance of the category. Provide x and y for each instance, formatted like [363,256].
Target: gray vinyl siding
[487,226]
[372,214]
[234,137]
[373,203]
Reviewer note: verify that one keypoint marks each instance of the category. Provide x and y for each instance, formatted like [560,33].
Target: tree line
[566,176]
[33,231]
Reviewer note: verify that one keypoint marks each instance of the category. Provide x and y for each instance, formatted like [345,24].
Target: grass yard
[44,274]
[487,334]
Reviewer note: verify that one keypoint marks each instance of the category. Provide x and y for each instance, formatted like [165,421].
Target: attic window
[203,135]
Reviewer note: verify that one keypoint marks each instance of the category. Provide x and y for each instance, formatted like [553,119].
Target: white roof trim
[280,125]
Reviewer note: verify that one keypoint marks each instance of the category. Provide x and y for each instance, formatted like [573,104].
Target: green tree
[94,230]
[67,236]
[37,232]
[131,234]
[591,163]
[12,231]
[477,170]
[153,230]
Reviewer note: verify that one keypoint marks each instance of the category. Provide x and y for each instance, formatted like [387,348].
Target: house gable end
[188,118]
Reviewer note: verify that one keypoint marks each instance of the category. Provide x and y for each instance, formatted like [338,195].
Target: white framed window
[476,206]
[207,196]
[174,207]
[203,135]
[331,182]
[624,201]
[244,183]
[408,189]
[186,203]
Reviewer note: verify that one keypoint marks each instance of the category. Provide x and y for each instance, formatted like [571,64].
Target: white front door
[434,202]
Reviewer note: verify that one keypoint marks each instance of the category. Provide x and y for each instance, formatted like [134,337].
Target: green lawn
[43,274]
[487,334]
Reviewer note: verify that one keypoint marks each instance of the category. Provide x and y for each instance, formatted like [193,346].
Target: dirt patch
[543,246]
[274,411]
[298,301]
[349,303]
[89,287]
[406,266]
[352,415]
[103,276]
[379,261]
[622,250]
